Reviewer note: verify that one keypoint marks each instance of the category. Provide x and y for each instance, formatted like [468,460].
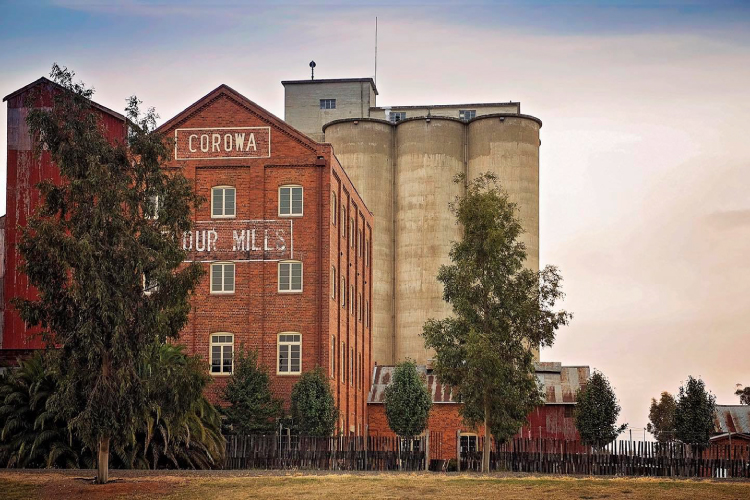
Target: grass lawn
[229,485]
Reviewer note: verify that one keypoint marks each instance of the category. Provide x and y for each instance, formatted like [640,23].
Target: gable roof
[732,419]
[560,383]
[250,106]
[47,81]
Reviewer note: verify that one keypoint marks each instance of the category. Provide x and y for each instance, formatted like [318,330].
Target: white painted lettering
[228,142]
[239,241]
[239,141]
[265,240]
[204,144]
[200,241]
[280,241]
[213,237]
[253,247]
[190,144]
[187,241]
[215,141]
[251,143]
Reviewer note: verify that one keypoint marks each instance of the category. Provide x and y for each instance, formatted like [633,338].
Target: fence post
[427,449]
[458,450]
[366,440]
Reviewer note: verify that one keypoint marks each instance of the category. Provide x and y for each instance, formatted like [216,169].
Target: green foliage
[661,416]
[86,251]
[180,428]
[694,414]
[597,411]
[313,408]
[32,435]
[407,401]
[744,394]
[500,309]
[252,408]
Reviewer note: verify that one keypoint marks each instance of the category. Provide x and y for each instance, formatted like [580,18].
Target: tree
[694,413]
[661,416]
[743,393]
[597,411]
[500,310]
[87,250]
[252,408]
[313,408]
[407,401]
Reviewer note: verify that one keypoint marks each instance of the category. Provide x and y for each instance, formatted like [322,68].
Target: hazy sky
[645,159]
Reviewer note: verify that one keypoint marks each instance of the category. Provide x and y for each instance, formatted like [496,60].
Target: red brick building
[286,243]
[284,237]
[25,171]
[553,420]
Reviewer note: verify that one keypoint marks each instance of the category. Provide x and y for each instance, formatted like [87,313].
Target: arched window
[334,208]
[289,353]
[223,202]
[222,353]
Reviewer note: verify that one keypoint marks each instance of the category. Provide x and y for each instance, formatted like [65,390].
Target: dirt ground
[230,485]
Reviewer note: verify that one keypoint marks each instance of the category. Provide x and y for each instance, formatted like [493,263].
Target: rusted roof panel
[560,383]
[732,419]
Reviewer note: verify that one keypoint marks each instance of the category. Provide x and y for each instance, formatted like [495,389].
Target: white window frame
[463,112]
[334,208]
[352,234]
[342,291]
[352,298]
[333,279]
[223,276]
[469,436]
[288,343]
[367,313]
[155,199]
[223,214]
[291,188]
[333,356]
[222,344]
[343,221]
[351,366]
[359,307]
[149,290]
[342,367]
[328,104]
[290,263]
[396,116]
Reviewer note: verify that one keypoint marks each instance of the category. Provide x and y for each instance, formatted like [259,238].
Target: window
[333,356]
[342,363]
[569,411]
[328,104]
[351,232]
[290,276]
[351,367]
[367,253]
[342,292]
[222,347]
[360,376]
[149,284]
[359,307]
[333,282]
[367,314]
[290,353]
[343,221]
[222,202]
[222,277]
[352,298]
[151,210]
[397,116]
[334,208]
[359,243]
[290,201]
[467,114]
[468,443]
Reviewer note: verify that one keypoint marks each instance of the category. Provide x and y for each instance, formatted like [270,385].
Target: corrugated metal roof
[560,383]
[732,418]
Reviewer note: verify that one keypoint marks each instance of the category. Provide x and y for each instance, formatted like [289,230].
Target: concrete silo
[429,154]
[366,148]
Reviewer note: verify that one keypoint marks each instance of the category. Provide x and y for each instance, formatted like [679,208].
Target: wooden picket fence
[619,458]
[335,453]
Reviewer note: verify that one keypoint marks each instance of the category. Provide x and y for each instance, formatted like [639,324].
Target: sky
[645,159]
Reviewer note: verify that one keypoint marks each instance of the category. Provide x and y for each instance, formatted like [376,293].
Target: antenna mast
[376,51]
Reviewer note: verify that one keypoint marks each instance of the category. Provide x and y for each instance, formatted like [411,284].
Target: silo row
[405,172]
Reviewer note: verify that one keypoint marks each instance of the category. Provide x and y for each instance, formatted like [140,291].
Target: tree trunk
[102,473]
[487,439]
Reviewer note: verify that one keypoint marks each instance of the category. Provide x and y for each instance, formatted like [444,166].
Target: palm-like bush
[32,435]
[181,429]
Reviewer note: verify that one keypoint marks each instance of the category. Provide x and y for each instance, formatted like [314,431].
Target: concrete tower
[403,161]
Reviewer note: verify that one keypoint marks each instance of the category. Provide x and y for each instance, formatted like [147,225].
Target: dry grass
[133,485]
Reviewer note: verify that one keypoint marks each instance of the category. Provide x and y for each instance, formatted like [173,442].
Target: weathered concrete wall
[366,149]
[429,155]
[449,110]
[302,104]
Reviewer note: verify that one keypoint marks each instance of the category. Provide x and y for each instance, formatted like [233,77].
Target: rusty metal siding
[732,419]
